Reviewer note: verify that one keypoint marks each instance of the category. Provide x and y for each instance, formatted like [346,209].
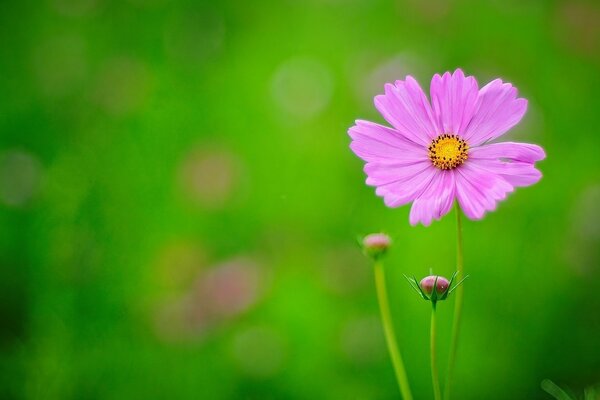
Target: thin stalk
[390,336]
[458,303]
[435,377]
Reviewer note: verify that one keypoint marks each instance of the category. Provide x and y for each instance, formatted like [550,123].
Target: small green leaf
[458,284]
[554,390]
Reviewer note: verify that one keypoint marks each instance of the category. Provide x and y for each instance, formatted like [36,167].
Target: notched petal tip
[382,102]
[458,73]
[473,215]
[534,154]
[492,85]
[472,81]
[408,79]
[421,221]
[412,222]
[541,153]
[389,87]
[389,201]
[362,122]
[520,103]
[537,176]
[370,181]
[410,85]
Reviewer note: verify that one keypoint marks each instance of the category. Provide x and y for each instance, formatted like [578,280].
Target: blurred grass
[163,138]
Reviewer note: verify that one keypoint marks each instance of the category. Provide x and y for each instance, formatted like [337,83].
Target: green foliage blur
[179,206]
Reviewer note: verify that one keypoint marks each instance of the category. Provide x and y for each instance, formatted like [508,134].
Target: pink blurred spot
[217,296]
[178,320]
[231,288]
[369,72]
[210,176]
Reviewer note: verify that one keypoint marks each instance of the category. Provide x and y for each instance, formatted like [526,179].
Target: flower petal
[453,98]
[410,184]
[406,108]
[516,173]
[512,161]
[379,174]
[478,190]
[524,152]
[377,143]
[435,201]
[498,110]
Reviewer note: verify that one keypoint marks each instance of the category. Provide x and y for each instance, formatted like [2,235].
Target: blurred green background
[179,206]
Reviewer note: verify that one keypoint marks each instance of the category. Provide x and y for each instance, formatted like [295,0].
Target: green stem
[458,303]
[390,336]
[435,378]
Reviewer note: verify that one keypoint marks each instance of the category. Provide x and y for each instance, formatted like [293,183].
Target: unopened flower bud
[428,282]
[443,287]
[376,244]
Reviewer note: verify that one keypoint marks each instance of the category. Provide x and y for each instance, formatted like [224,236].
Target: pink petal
[406,188]
[379,174]
[524,152]
[512,161]
[453,98]
[377,143]
[516,173]
[435,201]
[478,190]
[406,108]
[498,110]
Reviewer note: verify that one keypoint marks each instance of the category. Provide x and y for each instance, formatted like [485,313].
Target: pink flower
[440,152]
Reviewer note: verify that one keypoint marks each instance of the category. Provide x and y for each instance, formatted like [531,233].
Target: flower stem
[458,303]
[435,378]
[390,336]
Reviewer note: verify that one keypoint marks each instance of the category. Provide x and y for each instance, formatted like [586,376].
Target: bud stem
[458,302]
[435,378]
[388,328]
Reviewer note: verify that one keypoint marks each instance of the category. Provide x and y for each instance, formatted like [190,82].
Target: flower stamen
[448,151]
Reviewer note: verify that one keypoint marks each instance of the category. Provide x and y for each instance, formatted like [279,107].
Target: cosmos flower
[443,151]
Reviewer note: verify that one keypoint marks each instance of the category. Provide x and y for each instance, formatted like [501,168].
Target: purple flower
[436,153]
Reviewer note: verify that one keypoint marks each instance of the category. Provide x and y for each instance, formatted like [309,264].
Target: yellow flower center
[448,151]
